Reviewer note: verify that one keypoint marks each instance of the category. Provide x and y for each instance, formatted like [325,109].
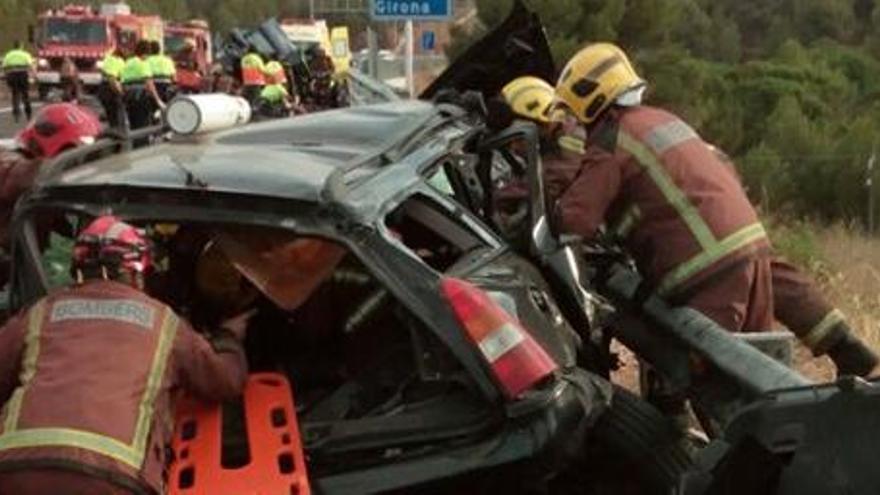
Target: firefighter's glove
[237,325]
[853,357]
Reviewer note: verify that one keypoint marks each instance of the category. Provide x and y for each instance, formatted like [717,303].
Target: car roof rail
[109,142]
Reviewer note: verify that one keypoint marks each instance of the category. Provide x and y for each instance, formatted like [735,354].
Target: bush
[796,241]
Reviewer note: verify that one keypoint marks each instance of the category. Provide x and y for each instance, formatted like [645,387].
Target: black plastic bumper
[539,435]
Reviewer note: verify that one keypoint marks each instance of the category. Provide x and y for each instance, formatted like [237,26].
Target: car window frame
[27,257]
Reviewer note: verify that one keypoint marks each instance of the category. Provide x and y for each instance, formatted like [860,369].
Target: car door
[448,239]
[503,174]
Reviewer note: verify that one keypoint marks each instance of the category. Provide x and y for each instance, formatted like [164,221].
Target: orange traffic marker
[276,464]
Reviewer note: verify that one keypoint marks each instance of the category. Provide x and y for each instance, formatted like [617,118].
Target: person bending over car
[690,227]
[798,303]
[675,202]
[87,375]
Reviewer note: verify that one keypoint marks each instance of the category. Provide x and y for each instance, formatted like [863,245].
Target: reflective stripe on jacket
[136,70]
[252,70]
[17,60]
[681,208]
[88,374]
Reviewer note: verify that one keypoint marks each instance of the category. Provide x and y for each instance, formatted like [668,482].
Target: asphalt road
[8,128]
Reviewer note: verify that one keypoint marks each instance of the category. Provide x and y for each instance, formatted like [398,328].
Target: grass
[844,261]
[850,276]
[846,264]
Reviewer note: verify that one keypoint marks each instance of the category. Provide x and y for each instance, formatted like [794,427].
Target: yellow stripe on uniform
[28,365]
[572,144]
[65,437]
[714,253]
[154,382]
[627,222]
[670,191]
[818,333]
[713,250]
[132,455]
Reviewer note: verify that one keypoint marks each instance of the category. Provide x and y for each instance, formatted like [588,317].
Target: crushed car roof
[289,158]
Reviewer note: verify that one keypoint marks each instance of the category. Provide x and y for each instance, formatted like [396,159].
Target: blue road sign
[416,10]
[428,40]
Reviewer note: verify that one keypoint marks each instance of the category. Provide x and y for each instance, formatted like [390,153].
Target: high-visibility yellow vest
[162,66]
[136,70]
[274,72]
[252,70]
[17,60]
[112,66]
[274,93]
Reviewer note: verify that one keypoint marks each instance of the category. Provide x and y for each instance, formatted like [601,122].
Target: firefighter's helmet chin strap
[136,280]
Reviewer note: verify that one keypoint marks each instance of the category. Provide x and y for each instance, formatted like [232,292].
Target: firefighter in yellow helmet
[534,99]
[674,202]
[684,215]
[531,99]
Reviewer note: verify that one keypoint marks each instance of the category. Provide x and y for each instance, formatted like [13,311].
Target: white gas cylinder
[196,114]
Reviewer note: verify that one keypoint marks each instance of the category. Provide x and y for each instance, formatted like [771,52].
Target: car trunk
[372,385]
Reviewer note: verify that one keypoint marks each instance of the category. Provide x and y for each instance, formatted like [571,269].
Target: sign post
[410,60]
[409,11]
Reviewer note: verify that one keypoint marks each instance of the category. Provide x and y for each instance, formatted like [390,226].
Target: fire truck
[86,36]
[308,33]
[193,63]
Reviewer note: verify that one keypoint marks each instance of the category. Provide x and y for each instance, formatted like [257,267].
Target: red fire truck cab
[189,44]
[86,36]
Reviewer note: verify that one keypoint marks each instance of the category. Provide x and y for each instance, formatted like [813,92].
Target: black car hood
[517,47]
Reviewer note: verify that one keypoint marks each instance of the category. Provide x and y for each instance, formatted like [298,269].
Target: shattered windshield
[75,32]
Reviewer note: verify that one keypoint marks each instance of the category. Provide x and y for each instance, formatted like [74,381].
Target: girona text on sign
[402,8]
[425,9]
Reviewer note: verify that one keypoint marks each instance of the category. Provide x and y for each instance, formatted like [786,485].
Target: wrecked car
[425,353]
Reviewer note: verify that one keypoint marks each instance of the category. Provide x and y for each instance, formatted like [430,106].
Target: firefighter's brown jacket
[676,204]
[17,174]
[87,378]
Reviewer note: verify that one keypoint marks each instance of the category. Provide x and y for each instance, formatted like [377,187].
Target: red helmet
[57,127]
[112,244]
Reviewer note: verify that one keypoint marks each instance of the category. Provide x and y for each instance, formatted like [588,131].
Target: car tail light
[517,360]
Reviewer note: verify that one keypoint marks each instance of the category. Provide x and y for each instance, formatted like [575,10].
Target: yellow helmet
[530,97]
[594,78]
